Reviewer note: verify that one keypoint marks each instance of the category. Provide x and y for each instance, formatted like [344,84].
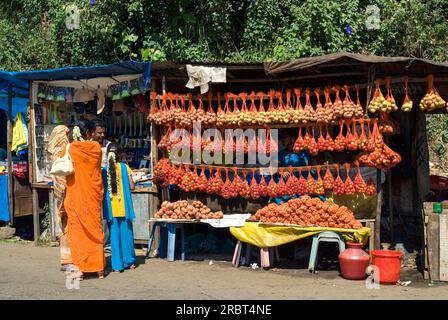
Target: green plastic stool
[326,236]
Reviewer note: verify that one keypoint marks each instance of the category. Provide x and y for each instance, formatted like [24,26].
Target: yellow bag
[18,133]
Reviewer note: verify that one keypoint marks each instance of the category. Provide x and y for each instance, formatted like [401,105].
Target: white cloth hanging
[200,76]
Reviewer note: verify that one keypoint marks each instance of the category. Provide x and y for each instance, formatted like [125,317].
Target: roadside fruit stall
[347,116]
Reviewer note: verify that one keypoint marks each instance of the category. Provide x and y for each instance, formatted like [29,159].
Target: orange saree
[83,205]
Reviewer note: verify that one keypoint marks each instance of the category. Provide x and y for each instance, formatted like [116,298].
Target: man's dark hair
[99,123]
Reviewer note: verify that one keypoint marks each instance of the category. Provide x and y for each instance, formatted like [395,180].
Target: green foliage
[34,35]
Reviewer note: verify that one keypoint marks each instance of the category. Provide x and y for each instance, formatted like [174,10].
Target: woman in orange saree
[83,203]
[57,143]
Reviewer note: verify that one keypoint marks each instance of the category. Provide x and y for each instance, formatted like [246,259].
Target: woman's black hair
[112,170]
[85,127]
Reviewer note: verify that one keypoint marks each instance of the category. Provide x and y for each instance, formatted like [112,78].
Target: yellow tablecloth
[264,236]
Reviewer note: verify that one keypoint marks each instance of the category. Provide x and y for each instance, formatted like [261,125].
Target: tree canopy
[34,34]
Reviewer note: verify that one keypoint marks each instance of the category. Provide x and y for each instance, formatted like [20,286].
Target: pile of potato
[182,209]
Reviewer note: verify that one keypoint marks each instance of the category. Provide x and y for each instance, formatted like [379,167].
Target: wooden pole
[9,157]
[379,204]
[36,220]
[391,209]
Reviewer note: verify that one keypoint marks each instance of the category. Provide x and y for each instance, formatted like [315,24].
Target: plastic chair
[326,236]
[266,255]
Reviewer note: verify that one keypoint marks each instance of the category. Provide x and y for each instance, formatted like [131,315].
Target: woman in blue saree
[118,209]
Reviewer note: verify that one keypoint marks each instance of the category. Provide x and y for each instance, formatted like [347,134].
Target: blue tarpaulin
[19,92]
[4,206]
[89,72]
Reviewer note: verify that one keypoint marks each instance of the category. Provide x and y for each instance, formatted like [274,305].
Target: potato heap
[306,211]
[183,210]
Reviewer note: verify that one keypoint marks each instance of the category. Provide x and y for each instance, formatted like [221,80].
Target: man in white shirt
[99,134]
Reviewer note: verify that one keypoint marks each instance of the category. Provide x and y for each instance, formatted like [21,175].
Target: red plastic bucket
[389,265]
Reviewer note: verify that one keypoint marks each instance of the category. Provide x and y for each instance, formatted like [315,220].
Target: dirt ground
[29,272]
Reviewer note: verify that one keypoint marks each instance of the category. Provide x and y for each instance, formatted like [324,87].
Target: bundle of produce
[348,105]
[391,105]
[306,211]
[299,144]
[183,210]
[360,184]
[381,158]
[387,124]
[289,109]
[351,140]
[244,189]
[291,184]
[338,185]
[338,107]
[298,110]
[359,112]
[432,100]
[362,139]
[189,182]
[328,179]
[322,115]
[210,117]
[254,189]
[339,142]
[329,108]
[302,187]
[310,142]
[349,187]
[160,173]
[407,103]
[221,117]
[371,189]
[262,187]
[309,115]
[319,184]
[310,183]
[378,102]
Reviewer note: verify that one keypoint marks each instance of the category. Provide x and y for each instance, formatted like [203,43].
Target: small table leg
[151,239]
[264,257]
[237,254]
[171,241]
[182,243]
